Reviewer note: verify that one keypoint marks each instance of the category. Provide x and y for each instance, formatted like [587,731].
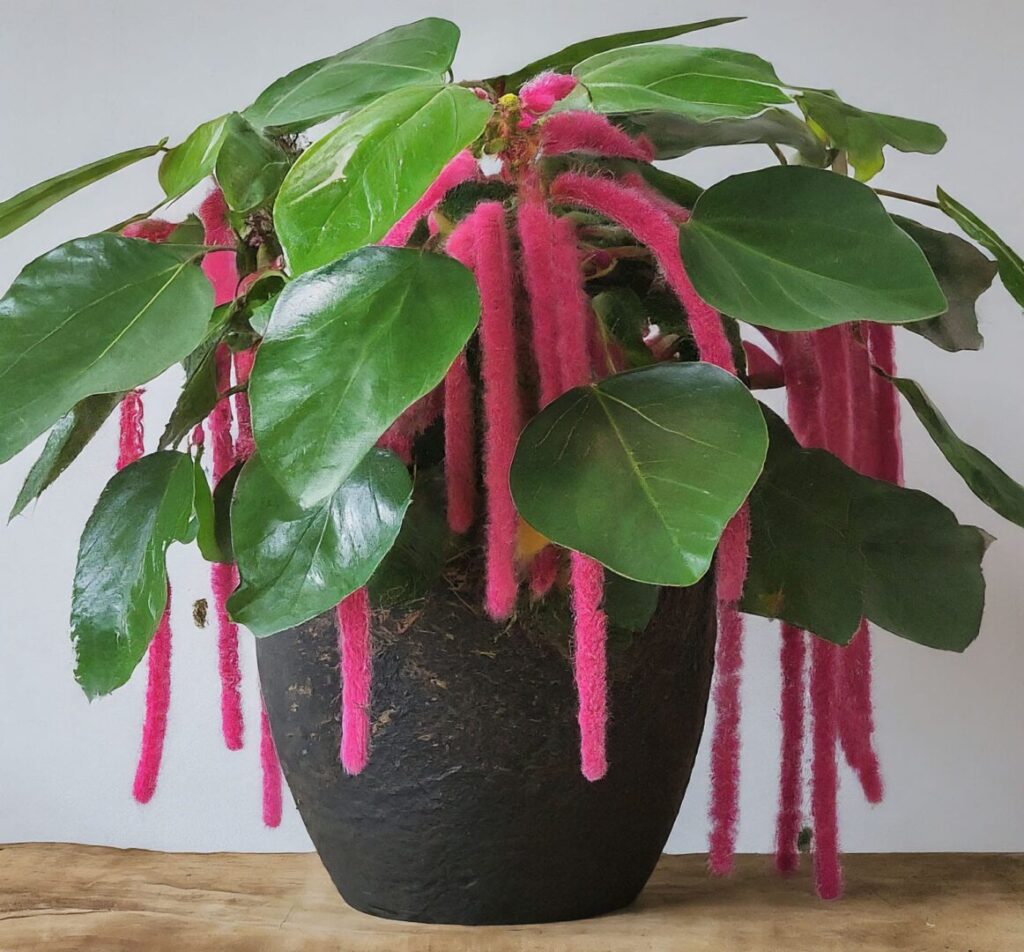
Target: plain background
[84,79]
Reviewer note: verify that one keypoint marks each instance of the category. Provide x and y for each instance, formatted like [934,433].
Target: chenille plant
[418,318]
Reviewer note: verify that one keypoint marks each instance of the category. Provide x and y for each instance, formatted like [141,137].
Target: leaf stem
[907,198]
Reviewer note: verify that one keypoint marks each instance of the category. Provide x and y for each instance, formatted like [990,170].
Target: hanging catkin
[481,243]
[354,650]
[459,446]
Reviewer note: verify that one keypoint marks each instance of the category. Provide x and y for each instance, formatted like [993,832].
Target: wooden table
[58,897]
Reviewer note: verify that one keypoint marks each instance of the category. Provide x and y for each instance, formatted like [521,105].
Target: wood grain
[58,897]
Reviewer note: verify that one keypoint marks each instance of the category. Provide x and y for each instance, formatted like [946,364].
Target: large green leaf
[67,439]
[348,348]
[987,481]
[296,563]
[568,57]
[250,167]
[798,249]
[698,82]
[33,201]
[120,588]
[203,515]
[673,134]
[643,470]
[964,274]
[349,188]
[416,54]
[623,317]
[95,315]
[187,164]
[863,135]
[830,546]
[1011,266]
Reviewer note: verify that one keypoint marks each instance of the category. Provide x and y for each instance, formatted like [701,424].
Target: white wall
[84,79]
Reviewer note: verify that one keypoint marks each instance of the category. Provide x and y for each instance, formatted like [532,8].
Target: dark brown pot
[472,809]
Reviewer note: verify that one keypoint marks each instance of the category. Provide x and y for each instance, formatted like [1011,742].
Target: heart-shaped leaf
[862,135]
[568,57]
[417,54]
[187,164]
[33,201]
[698,82]
[296,563]
[964,274]
[1011,266]
[798,249]
[95,315]
[351,186]
[250,167]
[829,546]
[69,436]
[120,589]
[986,480]
[643,470]
[349,347]
[673,135]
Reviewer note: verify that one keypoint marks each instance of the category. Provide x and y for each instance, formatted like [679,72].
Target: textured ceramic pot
[472,809]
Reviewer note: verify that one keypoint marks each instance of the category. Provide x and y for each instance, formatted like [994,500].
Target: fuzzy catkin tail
[219,266]
[155,230]
[245,445]
[270,768]
[462,168]
[355,652]
[481,242]
[590,662]
[158,700]
[543,91]
[130,443]
[592,133]
[828,877]
[792,655]
[882,346]
[459,447]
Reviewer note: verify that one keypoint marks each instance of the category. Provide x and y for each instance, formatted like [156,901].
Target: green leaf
[798,249]
[623,317]
[250,167]
[862,135]
[202,508]
[33,201]
[95,315]
[698,82]
[643,470]
[120,589]
[348,348]
[351,186]
[673,135]
[296,563]
[67,439]
[829,546]
[415,563]
[986,480]
[568,57]
[629,605]
[1011,266]
[964,274]
[416,54]
[223,494]
[187,164]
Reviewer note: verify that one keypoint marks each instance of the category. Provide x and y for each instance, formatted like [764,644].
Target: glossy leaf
[348,348]
[986,480]
[568,57]
[296,563]
[33,201]
[416,54]
[351,186]
[673,135]
[95,315]
[629,605]
[203,516]
[223,494]
[698,82]
[624,318]
[1011,266]
[187,164]
[250,167]
[120,589]
[964,274]
[829,546]
[643,470]
[863,135]
[69,436]
[798,249]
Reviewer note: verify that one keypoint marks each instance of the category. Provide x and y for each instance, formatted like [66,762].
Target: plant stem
[778,153]
[907,198]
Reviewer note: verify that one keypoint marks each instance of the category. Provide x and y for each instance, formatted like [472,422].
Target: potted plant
[491,482]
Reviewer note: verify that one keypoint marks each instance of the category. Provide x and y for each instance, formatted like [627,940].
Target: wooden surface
[56,897]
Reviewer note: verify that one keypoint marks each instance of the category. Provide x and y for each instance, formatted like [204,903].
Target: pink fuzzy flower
[592,133]
[543,91]
[219,266]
